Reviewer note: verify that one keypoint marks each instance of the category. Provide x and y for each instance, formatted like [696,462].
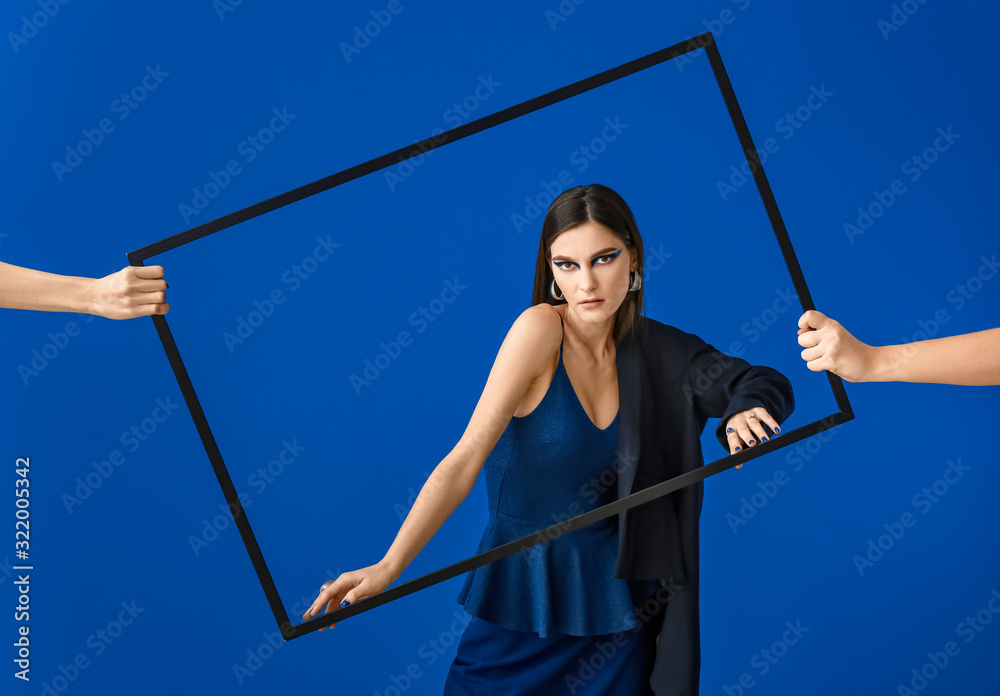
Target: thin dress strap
[562,327]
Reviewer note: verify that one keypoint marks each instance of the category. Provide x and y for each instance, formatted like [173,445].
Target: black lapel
[629,364]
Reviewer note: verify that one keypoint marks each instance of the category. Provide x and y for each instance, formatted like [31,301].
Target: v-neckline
[576,396]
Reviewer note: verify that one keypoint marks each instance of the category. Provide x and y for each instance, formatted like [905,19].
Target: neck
[594,339]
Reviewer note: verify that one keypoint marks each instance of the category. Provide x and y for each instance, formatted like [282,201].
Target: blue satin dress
[552,619]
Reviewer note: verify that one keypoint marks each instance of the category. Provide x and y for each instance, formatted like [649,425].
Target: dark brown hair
[576,206]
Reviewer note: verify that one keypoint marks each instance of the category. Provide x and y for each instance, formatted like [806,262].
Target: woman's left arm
[751,401]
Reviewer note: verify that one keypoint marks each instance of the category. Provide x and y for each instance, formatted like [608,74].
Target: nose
[588,280]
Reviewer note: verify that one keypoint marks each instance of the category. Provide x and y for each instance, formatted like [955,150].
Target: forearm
[444,490]
[25,288]
[969,359]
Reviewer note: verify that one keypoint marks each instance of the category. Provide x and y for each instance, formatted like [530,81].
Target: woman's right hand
[349,588]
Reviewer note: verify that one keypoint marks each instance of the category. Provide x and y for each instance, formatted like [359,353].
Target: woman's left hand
[746,429]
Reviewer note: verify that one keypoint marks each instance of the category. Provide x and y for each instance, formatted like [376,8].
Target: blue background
[150,534]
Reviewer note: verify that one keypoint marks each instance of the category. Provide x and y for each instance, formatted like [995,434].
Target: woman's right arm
[522,357]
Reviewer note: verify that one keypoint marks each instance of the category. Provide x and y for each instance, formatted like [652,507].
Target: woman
[553,421]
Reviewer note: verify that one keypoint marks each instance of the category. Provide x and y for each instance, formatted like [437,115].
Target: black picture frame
[290,630]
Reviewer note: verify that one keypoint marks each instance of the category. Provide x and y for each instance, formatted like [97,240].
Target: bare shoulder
[526,354]
[538,329]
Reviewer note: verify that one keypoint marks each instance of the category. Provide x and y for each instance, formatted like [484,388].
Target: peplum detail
[565,585]
[548,466]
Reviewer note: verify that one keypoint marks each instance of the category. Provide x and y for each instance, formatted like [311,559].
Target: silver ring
[326,585]
[752,415]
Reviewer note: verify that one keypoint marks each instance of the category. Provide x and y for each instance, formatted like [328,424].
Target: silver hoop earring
[636,282]
[553,289]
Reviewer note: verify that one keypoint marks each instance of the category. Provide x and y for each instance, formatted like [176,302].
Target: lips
[591,303]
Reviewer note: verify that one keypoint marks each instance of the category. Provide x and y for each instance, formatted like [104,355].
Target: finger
[820,364]
[148,271]
[135,283]
[335,600]
[148,310]
[338,586]
[318,603]
[733,440]
[766,418]
[148,286]
[812,320]
[814,353]
[735,443]
[808,339]
[356,593]
[340,602]
[757,429]
[145,298]
[743,430]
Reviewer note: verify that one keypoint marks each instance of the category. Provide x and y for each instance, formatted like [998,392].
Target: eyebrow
[602,252]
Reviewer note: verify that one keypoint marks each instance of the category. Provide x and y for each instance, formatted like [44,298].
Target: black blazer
[669,384]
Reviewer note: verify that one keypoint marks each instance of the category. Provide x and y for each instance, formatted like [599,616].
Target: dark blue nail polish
[729,430]
[750,443]
[777,429]
[738,449]
[345,603]
[763,439]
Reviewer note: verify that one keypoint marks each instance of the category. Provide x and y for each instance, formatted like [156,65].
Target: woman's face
[590,262]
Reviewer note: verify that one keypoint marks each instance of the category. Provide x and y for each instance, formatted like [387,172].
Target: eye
[609,257]
[562,265]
